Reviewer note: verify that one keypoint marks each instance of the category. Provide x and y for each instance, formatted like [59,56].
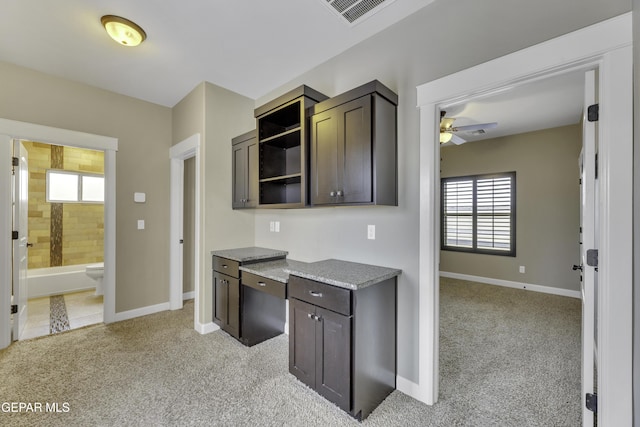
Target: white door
[20,245]
[587,242]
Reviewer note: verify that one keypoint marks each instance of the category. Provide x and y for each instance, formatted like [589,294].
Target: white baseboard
[206,328]
[188,295]
[517,285]
[143,311]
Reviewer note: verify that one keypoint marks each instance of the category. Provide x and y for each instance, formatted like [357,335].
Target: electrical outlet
[371,232]
[522,269]
[277,227]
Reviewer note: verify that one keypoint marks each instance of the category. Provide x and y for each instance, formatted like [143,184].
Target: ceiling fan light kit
[447,131]
[123,31]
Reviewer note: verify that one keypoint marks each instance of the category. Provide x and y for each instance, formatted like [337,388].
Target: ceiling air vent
[356,11]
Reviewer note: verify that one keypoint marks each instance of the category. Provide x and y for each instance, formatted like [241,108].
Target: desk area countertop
[344,274]
[250,254]
[275,270]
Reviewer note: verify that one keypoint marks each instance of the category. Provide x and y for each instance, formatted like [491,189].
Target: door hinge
[593,112]
[591,402]
[15,235]
[14,309]
[15,161]
[592,257]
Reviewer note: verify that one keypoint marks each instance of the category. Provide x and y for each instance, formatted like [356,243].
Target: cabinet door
[333,352]
[251,199]
[355,170]
[233,307]
[302,341]
[239,175]
[220,299]
[341,154]
[226,303]
[324,157]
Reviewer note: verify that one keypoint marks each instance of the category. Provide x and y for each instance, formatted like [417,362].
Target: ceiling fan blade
[471,128]
[457,140]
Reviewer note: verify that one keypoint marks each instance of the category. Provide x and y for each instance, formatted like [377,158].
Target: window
[478,214]
[74,187]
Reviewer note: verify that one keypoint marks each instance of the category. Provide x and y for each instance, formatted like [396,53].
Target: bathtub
[58,280]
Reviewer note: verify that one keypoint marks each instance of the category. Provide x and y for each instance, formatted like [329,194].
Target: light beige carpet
[508,358]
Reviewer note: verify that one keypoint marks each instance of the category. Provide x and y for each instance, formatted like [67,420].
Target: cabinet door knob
[332,194]
[315,294]
[339,193]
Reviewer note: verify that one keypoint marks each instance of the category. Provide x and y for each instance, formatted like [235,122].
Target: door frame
[606,46]
[178,153]
[64,137]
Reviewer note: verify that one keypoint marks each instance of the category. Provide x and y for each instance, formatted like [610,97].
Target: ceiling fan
[448,132]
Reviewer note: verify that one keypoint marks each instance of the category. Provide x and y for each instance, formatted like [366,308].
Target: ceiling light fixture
[445,137]
[123,31]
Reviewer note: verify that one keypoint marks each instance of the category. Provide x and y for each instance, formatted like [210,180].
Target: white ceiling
[248,46]
[544,104]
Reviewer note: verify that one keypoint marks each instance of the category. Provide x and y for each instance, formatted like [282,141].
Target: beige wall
[547,205]
[218,115]
[144,135]
[419,49]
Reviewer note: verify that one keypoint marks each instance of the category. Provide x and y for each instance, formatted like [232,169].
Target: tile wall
[69,233]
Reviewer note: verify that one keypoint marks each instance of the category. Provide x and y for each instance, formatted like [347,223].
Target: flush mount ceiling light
[123,31]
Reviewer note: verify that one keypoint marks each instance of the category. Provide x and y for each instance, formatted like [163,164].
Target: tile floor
[82,309]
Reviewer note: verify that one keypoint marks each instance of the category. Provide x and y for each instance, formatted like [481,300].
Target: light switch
[277,227]
[371,232]
[272,226]
[139,197]
[141,224]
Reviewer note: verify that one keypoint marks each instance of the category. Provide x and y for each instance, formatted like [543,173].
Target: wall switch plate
[277,227]
[141,224]
[522,269]
[371,232]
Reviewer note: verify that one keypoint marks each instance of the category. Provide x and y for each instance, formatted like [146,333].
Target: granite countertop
[250,254]
[274,270]
[345,274]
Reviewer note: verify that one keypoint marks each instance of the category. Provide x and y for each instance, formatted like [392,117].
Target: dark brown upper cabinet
[245,171]
[282,154]
[353,158]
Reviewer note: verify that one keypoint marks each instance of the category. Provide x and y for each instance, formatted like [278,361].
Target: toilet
[96,272]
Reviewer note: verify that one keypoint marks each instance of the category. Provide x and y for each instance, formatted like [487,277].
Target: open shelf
[284,190]
[283,144]
[283,120]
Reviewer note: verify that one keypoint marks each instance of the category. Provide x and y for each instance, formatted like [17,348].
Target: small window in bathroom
[74,187]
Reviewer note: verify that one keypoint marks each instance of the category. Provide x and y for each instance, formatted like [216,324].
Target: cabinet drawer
[226,266]
[273,287]
[326,296]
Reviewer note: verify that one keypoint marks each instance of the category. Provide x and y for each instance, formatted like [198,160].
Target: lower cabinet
[342,343]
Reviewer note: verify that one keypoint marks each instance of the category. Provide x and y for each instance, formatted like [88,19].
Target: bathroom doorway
[65,238]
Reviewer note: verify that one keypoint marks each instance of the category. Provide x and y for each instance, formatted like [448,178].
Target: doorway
[186,149]
[65,234]
[607,47]
[523,183]
[9,130]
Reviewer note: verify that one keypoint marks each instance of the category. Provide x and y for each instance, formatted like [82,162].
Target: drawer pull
[225,266]
[315,294]
[262,284]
